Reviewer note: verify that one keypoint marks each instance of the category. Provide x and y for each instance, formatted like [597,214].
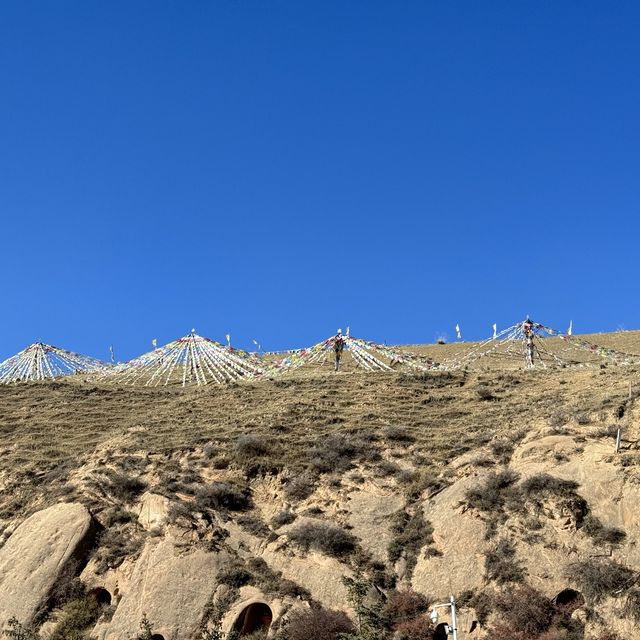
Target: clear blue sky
[279,169]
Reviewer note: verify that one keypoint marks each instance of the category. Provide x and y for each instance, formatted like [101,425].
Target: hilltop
[490,483]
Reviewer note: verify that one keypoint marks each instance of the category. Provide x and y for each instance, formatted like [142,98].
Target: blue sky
[279,169]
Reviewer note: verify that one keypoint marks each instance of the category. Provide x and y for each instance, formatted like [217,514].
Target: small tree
[145,628]
[369,622]
[17,631]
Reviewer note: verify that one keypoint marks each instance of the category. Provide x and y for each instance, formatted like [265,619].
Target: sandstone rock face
[153,510]
[171,586]
[370,516]
[459,537]
[317,573]
[36,555]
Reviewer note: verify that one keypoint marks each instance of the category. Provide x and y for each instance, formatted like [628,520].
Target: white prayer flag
[570,332]
[154,342]
[495,330]
[228,337]
[458,332]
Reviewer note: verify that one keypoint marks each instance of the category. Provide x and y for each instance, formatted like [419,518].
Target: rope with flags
[191,360]
[41,361]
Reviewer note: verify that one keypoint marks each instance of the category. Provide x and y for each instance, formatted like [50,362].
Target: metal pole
[454,618]
[618,438]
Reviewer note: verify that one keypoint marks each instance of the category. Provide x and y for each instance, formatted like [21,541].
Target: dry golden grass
[49,429]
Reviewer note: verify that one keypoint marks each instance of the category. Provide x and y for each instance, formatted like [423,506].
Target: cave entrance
[157,636]
[102,596]
[441,632]
[254,618]
[569,599]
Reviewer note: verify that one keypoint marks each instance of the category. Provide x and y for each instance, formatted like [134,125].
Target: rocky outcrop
[154,510]
[40,551]
[173,587]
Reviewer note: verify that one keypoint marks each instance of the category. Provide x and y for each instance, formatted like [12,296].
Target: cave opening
[254,618]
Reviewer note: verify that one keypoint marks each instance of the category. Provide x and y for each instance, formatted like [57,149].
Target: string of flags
[41,361]
[196,360]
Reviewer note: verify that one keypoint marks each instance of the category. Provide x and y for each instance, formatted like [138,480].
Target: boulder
[39,552]
[173,587]
[154,510]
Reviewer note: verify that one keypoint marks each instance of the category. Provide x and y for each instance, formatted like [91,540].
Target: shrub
[490,496]
[283,518]
[601,534]
[118,515]
[419,628]
[114,546]
[544,483]
[251,446]
[17,631]
[384,469]
[398,434]
[484,393]
[522,610]
[411,534]
[402,607]
[426,481]
[323,537]
[501,565]
[76,616]
[254,525]
[300,487]
[502,449]
[599,578]
[337,452]
[223,496]
[234,574]
[124,487]
[632,604]
[317,623]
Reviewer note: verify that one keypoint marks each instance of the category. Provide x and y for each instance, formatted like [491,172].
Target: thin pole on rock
[618,439]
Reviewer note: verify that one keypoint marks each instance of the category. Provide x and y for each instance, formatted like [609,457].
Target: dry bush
[597,578]
[420,628]
[411,533]
[251,446]
[523,612]
[601,534]
[76,617]
[234,574]
[283,518]
[492,495]
[502,449]
[324,537]
[543,483]
[425,482]
[402,606]
[317,623]
[337,453]
[118,515]
[254,525]
[398,434]
[123,487]
[223,496]
[485,393]
[300,487]
[114,545]
[501,564]
[384,469]
[632,604]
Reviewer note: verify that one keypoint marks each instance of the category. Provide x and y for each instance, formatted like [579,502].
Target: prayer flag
[570,332]
[458,332]
[495,330]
